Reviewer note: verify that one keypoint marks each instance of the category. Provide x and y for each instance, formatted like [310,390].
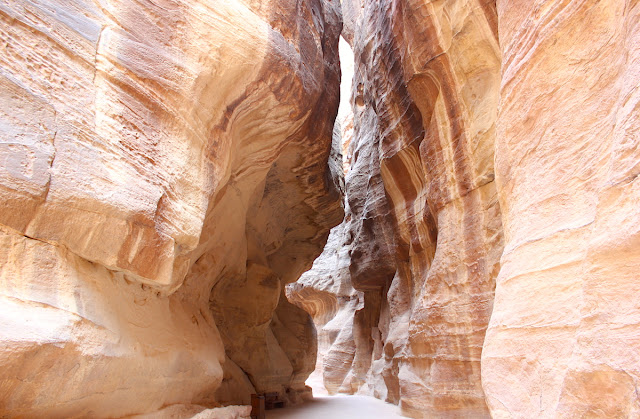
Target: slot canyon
[434,203]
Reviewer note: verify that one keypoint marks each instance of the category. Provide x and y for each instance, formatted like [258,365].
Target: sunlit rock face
[403,294]
[164,175]
[169,166]
[405,309]
[564,336]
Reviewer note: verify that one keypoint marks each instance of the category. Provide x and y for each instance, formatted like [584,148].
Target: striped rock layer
[164,174]
[168,166]
[564,335]
[488,261]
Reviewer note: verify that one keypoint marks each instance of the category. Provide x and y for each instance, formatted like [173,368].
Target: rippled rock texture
[169,166]
[564,336]
[460,290]
[164,175]
[407,304]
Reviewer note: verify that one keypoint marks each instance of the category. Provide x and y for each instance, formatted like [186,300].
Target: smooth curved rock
[156,156]
[412,268]
[565,329]
[169,168]
[422,231]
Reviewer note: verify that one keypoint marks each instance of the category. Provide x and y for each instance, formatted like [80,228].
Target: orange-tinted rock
[422,232]
[169,166]
[565,330]
[163,162]
[422,241]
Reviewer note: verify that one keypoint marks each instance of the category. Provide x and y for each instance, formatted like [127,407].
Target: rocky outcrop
[565,329]
[171,167]
[404,290]
[164,175]
[422,238]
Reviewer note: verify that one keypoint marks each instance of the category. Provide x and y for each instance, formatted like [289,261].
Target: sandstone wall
[168,167]
[565,331]
[164,175]
[403,295]
[422,229]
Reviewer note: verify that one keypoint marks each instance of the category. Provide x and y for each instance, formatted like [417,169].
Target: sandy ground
[338,407]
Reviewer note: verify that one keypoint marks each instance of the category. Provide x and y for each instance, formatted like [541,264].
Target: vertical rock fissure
[403,292]
[463,222]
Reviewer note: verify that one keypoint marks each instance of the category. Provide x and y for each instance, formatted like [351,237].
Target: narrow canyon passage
[337,407]
[425,208]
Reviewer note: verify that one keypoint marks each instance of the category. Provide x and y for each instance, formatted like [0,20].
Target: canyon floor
[352,407]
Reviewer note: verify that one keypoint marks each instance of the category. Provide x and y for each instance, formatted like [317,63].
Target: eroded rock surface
[404,291]
[402,314]
[565,330]
[164,175]
[169,166]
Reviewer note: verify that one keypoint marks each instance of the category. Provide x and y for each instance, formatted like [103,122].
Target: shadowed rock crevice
[422,230]
[190,183]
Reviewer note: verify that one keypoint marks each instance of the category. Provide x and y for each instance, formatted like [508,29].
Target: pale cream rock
[326,293]
[564,335]
[197,412]
[155,156]
[77,337]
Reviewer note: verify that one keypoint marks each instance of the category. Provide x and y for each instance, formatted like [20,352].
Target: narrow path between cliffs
[338,407]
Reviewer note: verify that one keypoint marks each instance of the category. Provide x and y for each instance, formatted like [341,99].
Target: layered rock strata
[403,313]
[404,291]
[169,166]
[564,335]
[164,175]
